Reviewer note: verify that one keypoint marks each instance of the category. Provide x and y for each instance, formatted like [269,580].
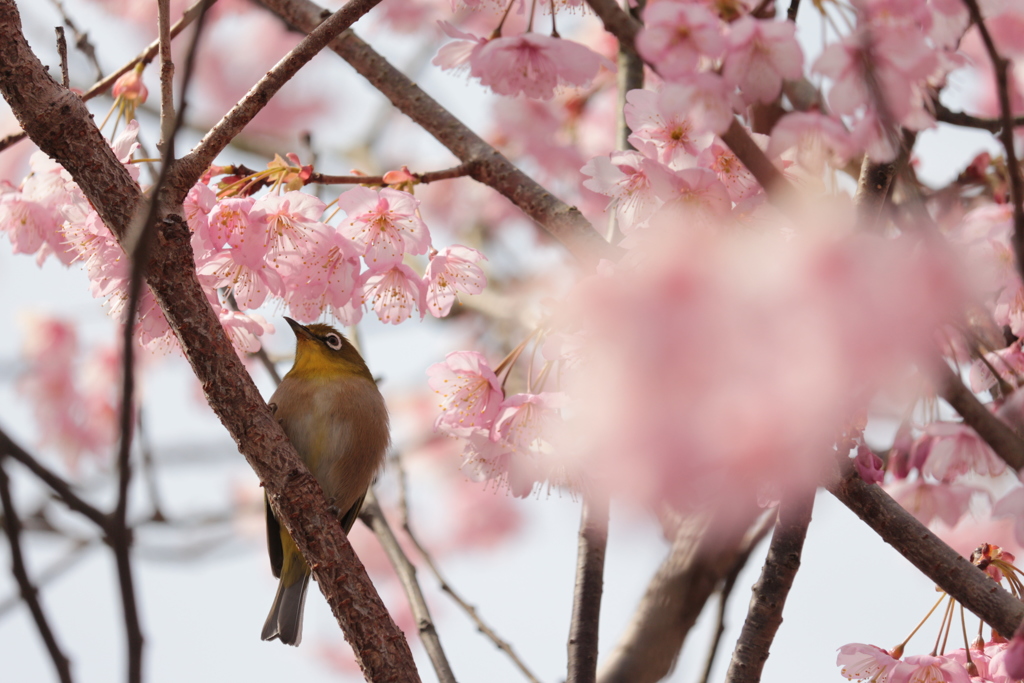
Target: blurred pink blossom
[452,270]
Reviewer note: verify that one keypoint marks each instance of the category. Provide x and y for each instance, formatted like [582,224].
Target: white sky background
[201,618]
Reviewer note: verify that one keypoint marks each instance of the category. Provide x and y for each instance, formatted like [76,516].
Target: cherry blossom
[622,177]
[395,294]
[662,127]
[865,663]
[818,139]
[676,35]
[322,279]
[384,224]
[288,222]
[469,391]
[956,449]
[761,53]
[928,669]
[452,270]
[534,65]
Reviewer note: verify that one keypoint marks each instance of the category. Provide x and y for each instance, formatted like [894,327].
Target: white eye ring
[333,341]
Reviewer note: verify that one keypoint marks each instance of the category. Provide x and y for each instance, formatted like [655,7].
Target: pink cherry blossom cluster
[529,63]
[507,438]
[989,662]
[274,245]
[74,399]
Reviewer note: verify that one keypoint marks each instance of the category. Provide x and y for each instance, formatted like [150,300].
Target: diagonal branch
[959,578]
[29,593]
[1001,67]
[565,223]
[188,169]
[996,433]
[60,487]
[59,123]
[765,614]
[373,516]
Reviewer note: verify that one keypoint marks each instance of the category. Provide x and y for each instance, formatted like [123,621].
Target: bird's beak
[299,330]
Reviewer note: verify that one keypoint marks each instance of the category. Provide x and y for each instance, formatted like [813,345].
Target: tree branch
[167,118]
[373,516]
[144,57]
[469,609]
[29,593]
[565,223]
[958,118]
[936,560]
[765,614]
[459,171]
[996,433]
[57,484]
[704,551]
[190,167]
[778,189]
[1001,68]
[586,604]
[59,123]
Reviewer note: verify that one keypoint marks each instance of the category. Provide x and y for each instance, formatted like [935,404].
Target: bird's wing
[274,546]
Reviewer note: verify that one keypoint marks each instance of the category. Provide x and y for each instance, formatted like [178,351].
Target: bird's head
[322,351]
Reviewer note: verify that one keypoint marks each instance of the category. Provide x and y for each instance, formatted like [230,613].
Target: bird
[333,413]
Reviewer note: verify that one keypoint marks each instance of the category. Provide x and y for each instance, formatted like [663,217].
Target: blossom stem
[497,31]
[921,623]
[967,646]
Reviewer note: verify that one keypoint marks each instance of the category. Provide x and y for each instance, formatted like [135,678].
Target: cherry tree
[690,266]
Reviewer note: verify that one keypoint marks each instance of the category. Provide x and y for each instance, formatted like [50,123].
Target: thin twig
[996,433]
[373,517]
[195,163]
[144,57]
[261,353]
[1001,68]
[756,535]
[794,7]
[586,604]
[765,614]
[459,171]
[958,118]
[149,469]
[81,39]
[62,50]
[60,487]
[487,631]
[54,571]
[166,73]
[29,593]
[139,244]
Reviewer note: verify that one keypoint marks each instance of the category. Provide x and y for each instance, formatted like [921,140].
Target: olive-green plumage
[331,410]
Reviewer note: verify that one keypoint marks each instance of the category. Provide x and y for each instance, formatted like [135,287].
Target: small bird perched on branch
[334,415]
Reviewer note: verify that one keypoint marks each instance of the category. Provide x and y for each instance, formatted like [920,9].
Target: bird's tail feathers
[285,619]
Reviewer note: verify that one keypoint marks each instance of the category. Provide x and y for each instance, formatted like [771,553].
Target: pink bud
[398,177]
[130,87]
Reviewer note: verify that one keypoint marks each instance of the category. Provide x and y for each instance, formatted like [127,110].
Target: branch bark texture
[943,565]
[765,613]
[586,604]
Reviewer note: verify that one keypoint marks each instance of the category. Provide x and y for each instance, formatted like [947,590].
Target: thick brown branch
[29,593]
[943,565]
[565,223]
[703,553]
[1001,67]
[996,433]
[373,516]
[586,604]
[188,169]
[765,614]
[61,125]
